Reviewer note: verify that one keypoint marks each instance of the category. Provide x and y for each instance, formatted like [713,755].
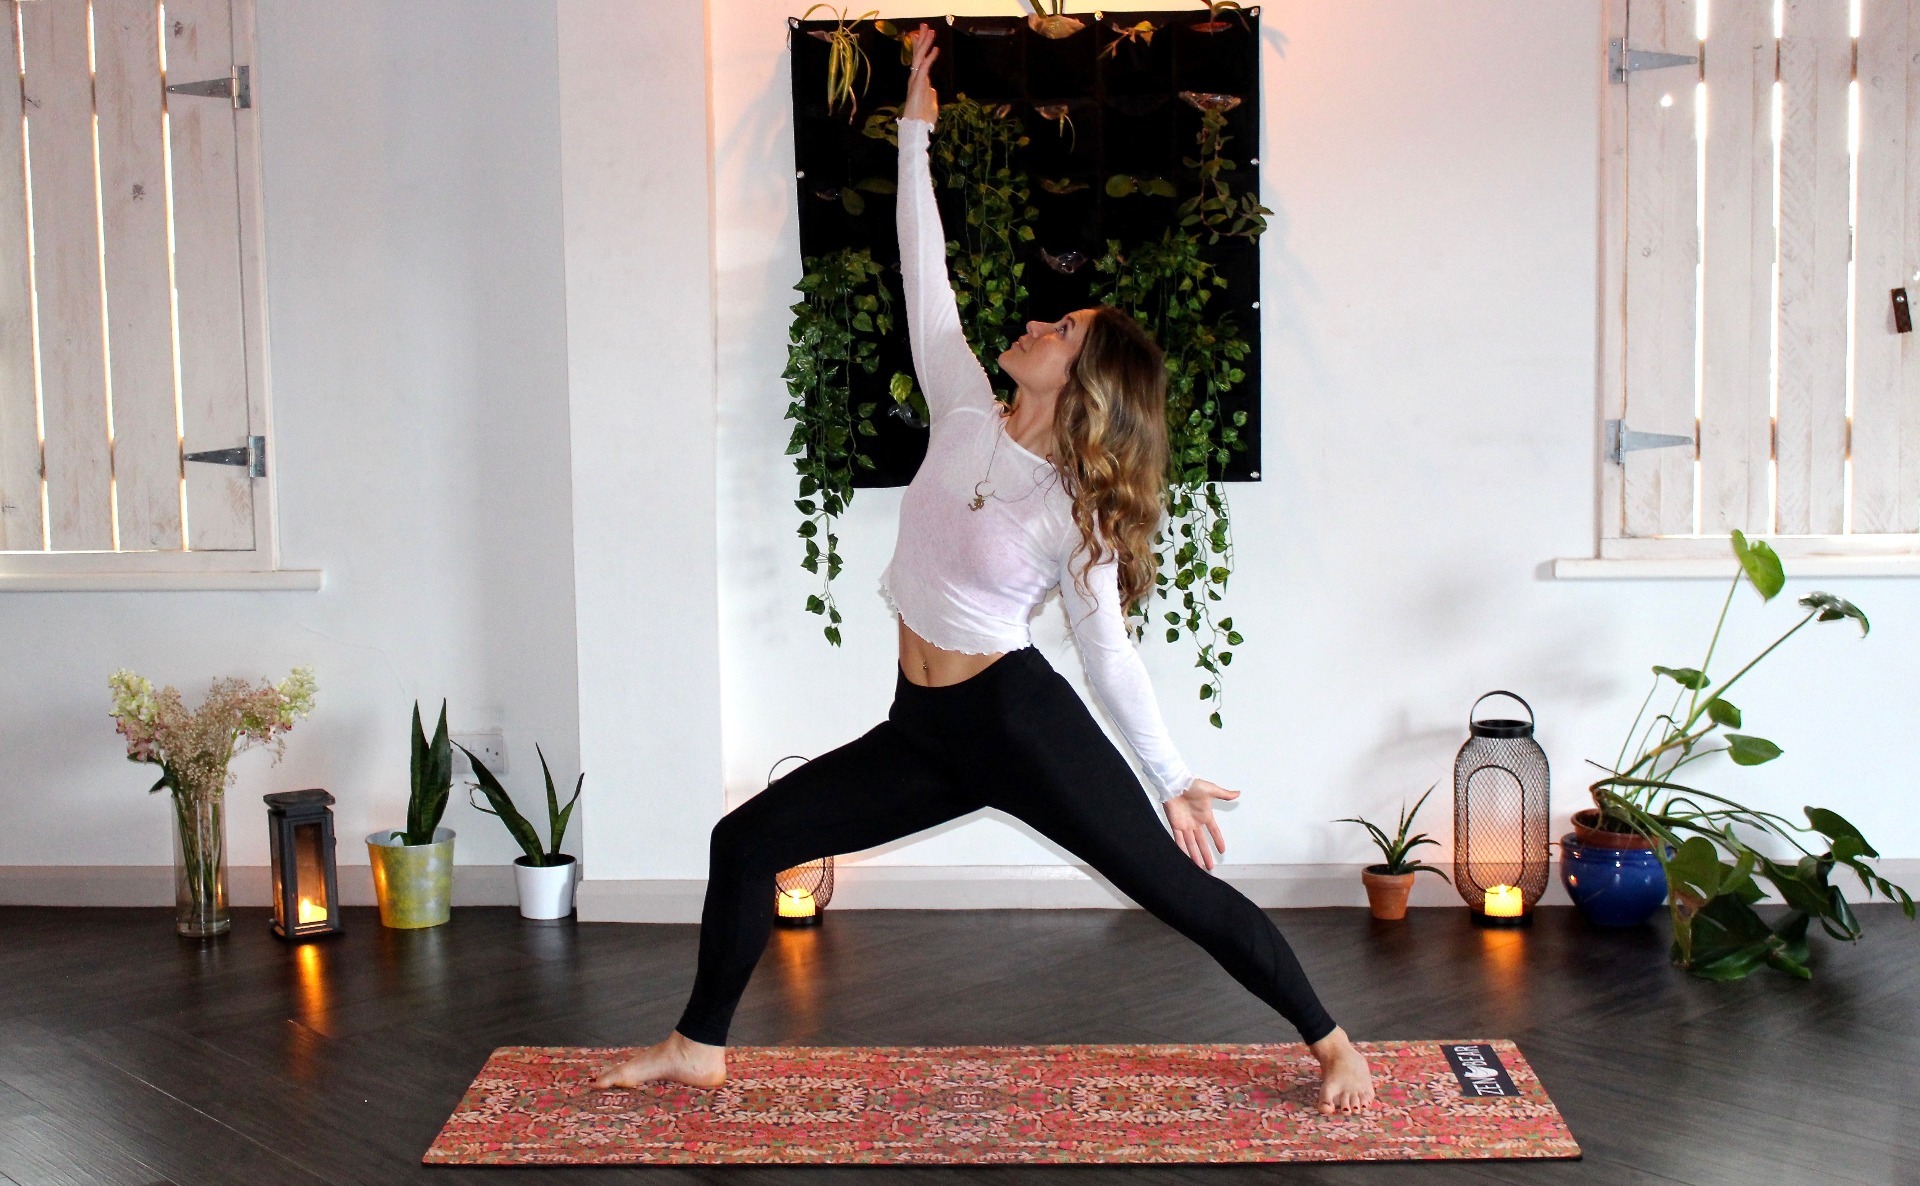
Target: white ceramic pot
[546,891]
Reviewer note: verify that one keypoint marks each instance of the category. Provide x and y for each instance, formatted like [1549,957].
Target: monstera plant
[1716,852]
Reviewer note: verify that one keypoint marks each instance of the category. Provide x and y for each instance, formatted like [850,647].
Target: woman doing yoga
[1066,487]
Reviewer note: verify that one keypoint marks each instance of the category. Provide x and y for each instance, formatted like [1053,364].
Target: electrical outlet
[490,746]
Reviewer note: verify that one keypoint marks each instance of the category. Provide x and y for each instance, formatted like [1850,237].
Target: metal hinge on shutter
[237,86]
[1622,440]
[253,455]
[1622,61]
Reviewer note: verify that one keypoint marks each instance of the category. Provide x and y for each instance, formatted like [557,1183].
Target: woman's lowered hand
[1195,829]
[922,103]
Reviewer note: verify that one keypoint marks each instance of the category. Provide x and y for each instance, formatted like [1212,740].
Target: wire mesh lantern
[1500,805]
[802,892]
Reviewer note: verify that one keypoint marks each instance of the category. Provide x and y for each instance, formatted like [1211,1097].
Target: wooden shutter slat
[1737,268]
[20,521]
[1816,64]
[133,193]
[67,274]
[1662,249]
[1886,363]
[206,198]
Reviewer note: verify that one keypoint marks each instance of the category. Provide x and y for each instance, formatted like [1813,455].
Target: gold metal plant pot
[414,882]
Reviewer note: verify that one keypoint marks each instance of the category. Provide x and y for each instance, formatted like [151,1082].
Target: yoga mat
[943,1105]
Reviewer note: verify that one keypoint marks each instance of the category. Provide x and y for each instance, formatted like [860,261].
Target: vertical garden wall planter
[1101,158]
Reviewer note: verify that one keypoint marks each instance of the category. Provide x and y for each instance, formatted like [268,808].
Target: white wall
[421,452]
[1429,422]
[640,348]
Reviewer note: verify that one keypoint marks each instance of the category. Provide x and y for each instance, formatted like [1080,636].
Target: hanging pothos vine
[1167,285]
[845,310]
[972,152]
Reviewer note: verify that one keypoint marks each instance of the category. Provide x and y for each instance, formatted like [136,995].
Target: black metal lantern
[306,887]
[802,892]
[1500,818]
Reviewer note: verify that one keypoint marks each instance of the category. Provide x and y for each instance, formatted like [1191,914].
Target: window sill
[299,580]
[1705,568]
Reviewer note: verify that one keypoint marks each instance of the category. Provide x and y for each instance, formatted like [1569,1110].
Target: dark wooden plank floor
[130,1058]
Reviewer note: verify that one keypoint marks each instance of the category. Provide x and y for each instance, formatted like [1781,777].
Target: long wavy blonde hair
[1110,442]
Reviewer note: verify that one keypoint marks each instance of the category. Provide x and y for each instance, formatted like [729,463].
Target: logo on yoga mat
[1479,1071]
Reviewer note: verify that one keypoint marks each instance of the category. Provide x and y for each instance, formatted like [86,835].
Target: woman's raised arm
[949,373]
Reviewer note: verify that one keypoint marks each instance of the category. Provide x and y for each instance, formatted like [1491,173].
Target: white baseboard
[247,885]
[856,887]
[1008,887]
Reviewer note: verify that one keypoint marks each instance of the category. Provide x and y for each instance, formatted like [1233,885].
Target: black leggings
[1016,737]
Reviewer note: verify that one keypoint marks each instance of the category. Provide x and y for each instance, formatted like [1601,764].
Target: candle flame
[796,903]
[309,912]
[1505,901]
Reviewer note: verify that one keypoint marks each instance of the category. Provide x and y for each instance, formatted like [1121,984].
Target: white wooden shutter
[1789,224]
[123,299]
[1886,365]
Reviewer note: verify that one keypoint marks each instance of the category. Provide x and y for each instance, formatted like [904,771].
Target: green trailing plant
[1121,185]
[1396,851]
[845,309]
[847,62]
[1706,842]
[1215,206]
[503,809]
[432,782]
[973,153]
[1167,287]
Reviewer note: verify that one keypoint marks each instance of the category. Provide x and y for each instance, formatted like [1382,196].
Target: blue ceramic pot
[1613,887]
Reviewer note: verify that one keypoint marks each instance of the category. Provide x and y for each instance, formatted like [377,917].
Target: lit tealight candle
[1504,901]
[796,903]
[309,912]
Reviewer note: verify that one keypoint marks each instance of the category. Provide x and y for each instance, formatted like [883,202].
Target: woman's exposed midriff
[930,666]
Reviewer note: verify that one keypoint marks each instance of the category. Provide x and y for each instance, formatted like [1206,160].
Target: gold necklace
[979,500]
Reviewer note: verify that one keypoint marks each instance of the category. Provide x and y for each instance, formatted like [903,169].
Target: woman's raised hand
[1191,815]
[922,103]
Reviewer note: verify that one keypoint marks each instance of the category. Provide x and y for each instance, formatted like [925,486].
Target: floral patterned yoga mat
[1006,1104]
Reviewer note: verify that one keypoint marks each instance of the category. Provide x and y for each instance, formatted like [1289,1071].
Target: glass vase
[200,865]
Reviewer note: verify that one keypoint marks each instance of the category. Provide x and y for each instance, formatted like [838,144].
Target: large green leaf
[1686,677]
[1695,866]
[1761,564]
[1723,713]
[1746,750]
[1833,826]
[1834,609]
[1729,941]
[432,778]
[557,816]
[503,808]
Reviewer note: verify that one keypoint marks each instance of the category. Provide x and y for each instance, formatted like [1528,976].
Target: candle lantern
[306,887]
[1500,802]
[802,892]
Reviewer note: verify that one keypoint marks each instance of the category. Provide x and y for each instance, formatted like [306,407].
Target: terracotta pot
[1587,830]
[1387,892]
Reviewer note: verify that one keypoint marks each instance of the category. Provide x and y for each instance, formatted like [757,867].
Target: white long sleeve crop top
[969,580]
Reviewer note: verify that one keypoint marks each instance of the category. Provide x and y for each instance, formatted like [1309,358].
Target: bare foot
[1346,1085]
[681,1060]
